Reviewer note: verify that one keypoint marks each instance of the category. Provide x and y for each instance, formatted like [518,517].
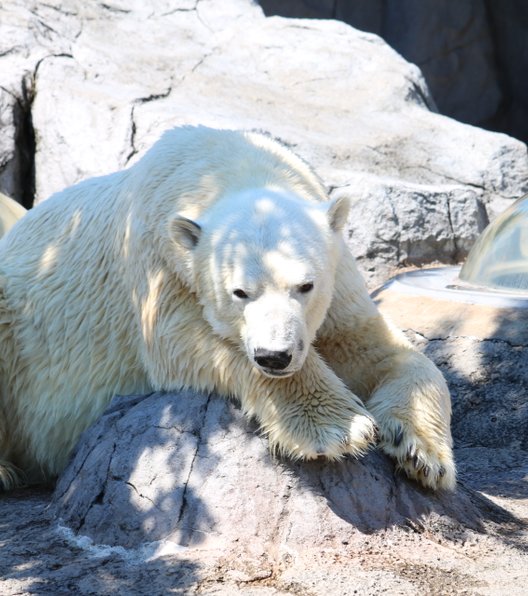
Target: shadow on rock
[488,379]
[131,480]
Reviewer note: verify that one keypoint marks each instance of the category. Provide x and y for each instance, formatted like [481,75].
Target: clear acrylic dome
[499,258]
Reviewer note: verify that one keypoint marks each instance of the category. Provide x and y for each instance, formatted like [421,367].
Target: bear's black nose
[272,360]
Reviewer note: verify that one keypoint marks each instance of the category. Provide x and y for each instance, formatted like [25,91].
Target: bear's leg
[402,388]
[310,414]
[10,476]
[413,409]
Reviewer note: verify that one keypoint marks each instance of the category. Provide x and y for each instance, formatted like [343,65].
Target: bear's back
[192,166]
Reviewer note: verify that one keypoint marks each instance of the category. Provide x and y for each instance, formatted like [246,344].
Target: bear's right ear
[185,232]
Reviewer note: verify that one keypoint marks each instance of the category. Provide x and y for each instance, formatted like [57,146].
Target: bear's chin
[275,374]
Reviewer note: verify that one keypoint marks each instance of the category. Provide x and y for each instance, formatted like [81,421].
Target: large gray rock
[186,467]
[472,54]
[412,224]
[97,92]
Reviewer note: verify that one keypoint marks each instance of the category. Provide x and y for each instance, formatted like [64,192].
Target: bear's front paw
[329,440]
[427,460]
[362,434]
[333,442]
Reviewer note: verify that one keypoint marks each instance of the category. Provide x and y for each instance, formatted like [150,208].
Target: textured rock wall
[85,88]
[473,54]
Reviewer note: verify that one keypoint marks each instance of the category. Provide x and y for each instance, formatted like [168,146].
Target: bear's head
[262,264]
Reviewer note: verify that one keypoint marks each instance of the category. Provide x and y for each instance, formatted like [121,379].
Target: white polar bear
[216,262]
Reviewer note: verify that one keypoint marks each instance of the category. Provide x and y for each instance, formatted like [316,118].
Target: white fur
[10,213]
[268,244]
[125,284]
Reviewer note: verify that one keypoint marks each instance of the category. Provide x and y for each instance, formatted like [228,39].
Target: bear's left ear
[185,231]
[337,212]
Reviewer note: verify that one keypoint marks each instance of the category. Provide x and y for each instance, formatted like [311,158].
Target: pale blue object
[499,258]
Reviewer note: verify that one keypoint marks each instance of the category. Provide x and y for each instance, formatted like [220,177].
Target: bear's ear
[337,212]
[185,232]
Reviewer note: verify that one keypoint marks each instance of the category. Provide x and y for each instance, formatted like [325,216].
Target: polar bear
[10,213]
[216,262]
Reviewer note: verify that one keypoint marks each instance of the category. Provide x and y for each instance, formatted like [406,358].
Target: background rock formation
[473,54]
[86,88]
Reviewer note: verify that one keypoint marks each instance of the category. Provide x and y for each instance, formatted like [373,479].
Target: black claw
[376,438]
[442,472]
[426,471]
[410,452]
[398,438]
[418,464]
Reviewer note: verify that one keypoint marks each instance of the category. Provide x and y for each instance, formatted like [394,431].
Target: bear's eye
[240,294]
[305,288]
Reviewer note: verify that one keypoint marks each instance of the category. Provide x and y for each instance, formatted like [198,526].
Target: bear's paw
[427,460]
[329,440]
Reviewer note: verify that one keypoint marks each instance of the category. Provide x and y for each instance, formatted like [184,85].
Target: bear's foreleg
[10,475]
[402,388]
[309,414]
[413,409]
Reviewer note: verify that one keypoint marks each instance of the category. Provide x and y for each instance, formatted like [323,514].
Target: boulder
[471,53]
[93,92]
[186,467]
